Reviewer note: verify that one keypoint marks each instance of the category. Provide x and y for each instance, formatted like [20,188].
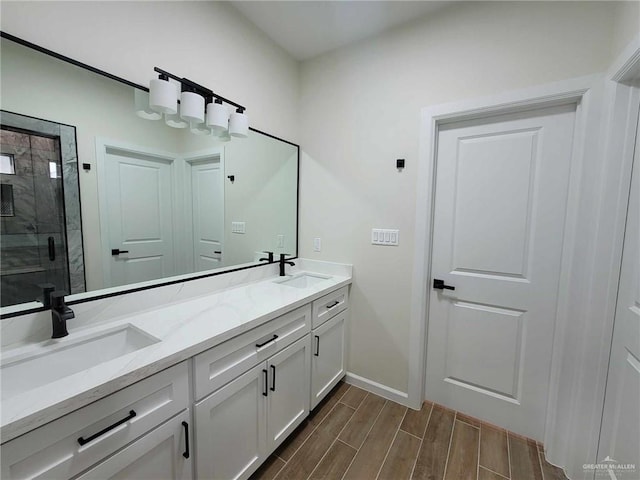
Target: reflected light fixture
[175,120]
[199,129]
[198,108]
[143,110]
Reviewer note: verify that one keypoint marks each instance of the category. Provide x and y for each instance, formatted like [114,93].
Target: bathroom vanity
[202,388]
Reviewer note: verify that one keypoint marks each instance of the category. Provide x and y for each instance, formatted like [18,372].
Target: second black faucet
[283,261]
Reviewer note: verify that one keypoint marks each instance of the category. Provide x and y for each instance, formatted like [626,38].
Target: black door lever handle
[439,285]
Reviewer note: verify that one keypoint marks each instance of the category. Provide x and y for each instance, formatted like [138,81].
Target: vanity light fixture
[239,124]
[217,116]
[191,106]
[198,108]
[163,95]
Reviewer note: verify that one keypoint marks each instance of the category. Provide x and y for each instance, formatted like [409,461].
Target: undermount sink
[303,280]
[53,360]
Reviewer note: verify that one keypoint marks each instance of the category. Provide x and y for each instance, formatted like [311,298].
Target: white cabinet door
[288,393]
[162,454]
[231,424]
[328,347]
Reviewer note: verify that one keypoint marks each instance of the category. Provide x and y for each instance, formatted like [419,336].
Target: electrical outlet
[385,236]
[317,244]
[280,241]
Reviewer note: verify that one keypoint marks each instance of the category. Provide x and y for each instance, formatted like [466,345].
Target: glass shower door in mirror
[32,223]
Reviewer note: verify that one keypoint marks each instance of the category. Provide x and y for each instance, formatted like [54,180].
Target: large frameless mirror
[96,199]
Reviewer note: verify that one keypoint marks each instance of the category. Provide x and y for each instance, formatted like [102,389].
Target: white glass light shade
[239,125]
[143,110]
[192,107]
[163,96]
[200,129]
[217,117]
[175,120]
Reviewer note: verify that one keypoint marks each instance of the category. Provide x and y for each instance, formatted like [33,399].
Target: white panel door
[162,454]
[140,216]
[288,400]
[207,189]
[620,438]
[230,428]
[328,360]
[500,201]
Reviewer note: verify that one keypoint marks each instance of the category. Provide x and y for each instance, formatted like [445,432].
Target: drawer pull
[317,353]
[273,379]
[186,439]
[266,380]
[84,441]
[260,345]
[333,304]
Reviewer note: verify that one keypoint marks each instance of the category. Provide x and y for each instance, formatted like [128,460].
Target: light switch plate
[238,227]
[317,244]
[385,236]
[280,241]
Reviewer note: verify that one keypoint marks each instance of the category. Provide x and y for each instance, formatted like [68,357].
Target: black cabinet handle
[52,248]
[117,251]
[333,304]
[317,353]
[186,439]
[218,252]
[84,441]
[439,285]
[273,379]
[266,380]
[260,345]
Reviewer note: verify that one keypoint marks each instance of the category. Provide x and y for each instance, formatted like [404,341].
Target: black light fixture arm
[204,91]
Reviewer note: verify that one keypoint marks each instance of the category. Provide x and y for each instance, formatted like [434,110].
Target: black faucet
[283,262]
[269,259]
[60,313]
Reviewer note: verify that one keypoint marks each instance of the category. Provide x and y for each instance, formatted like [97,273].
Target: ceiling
[309,28]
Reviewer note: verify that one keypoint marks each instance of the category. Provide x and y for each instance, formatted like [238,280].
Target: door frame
[189,161]
[579,91]
[102,147]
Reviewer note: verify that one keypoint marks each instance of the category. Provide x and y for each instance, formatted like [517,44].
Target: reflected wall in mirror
[156,201]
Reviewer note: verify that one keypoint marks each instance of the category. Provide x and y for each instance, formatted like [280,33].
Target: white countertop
[184,329]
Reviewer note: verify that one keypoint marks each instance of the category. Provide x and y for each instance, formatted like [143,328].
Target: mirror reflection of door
[207,203]
[32,218]
[139,203]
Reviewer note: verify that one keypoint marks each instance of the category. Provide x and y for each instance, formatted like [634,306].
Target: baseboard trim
[374,387]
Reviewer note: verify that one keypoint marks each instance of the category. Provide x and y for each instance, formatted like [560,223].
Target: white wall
[626,25]
[208,42]
[359,112]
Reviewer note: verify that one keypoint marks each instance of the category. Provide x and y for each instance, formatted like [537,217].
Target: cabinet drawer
[221,364]
[54,450]
[326,307]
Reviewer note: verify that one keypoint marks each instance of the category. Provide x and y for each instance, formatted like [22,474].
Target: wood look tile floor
[355,435]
